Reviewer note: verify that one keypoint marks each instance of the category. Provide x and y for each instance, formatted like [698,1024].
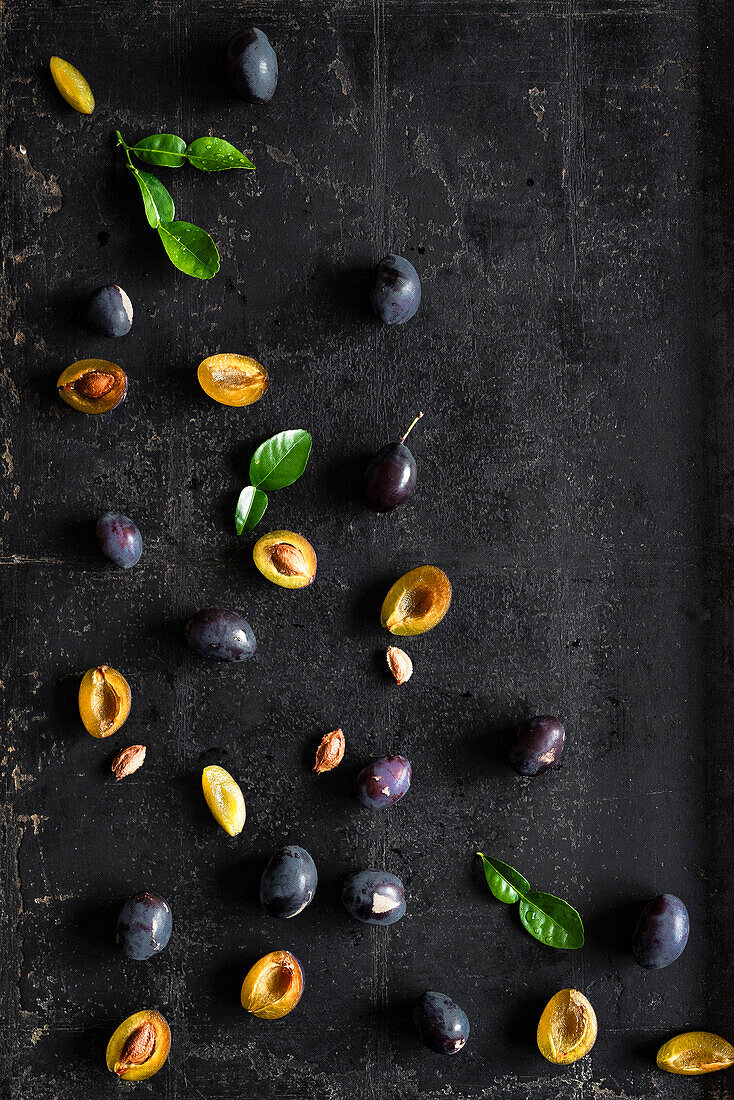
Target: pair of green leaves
[277,462]
[549,919]
[188,247]
[209,154]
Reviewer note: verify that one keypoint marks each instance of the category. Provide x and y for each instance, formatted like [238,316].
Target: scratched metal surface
[558,172]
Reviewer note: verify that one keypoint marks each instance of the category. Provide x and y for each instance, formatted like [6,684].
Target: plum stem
[410,429]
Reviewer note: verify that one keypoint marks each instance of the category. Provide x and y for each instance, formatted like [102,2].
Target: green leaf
[190,249]
[250,509]
[504,881]
[212,154]
[163,150]
[157,201]
[552,921]
[281,460]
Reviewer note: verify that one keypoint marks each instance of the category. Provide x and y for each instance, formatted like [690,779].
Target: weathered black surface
[558,172]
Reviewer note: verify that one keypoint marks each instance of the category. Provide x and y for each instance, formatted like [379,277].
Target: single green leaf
[281,460]
[212,154]
[163,150]
[190,249]
[250,508]
[157,201]
[552,921]
[504,881]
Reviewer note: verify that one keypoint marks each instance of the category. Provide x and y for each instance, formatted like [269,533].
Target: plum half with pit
[93,385]
[286,559]
[139,1046]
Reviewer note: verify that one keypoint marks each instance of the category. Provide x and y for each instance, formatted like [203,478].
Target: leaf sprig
[549,919]
[208,154]
[188,247]
[277,462]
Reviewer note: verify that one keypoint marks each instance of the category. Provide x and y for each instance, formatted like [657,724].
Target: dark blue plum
[252,65]
[661,933]
[374,897]
[109,310]
[144,926]
[220,634]
[538,745]
[396,290]
[390,477]
[119,539]
[288,883]
[383,782]
[442,1025]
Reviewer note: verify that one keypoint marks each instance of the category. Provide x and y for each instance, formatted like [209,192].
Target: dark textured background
[558,172]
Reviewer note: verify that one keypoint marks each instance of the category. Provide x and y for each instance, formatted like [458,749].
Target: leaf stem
[121,141]
[410,429]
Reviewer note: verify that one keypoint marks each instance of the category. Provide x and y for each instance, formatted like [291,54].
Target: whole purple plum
[661,933]
[220,634]
[119,539]
[374,897]
[391,475]
[396,290]
[252,65]
[538,745]
[144,926]
[383,782]
[441,1024]
[110,310]
[288,883]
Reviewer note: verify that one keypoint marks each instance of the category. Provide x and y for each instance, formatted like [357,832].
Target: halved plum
[72,85]
[286,559]
[104,700]
[694,1053]
[567,1027]
[234,380]
[384,781]
[417,602]
[93,385]
[273,986]
[139,1047]
[224,798]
